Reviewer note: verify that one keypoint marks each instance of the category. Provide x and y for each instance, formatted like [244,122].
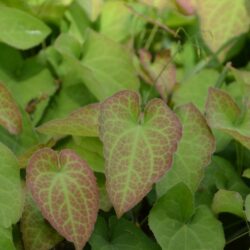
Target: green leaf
[6,239]
[225,115]
[247,207]
[219,26]
[104,72]
[194,151]
[37,233]
[11,193]
[195,88]
[10,116]
[20,29]
[226,201]
[92,7]
[177,225]
[81,122]
[55,180]
[138,146]
[89,148]
[119,235]
[246,173]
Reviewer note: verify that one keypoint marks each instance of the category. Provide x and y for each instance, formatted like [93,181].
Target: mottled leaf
[138,146]
[81,122]
[226,201]
[21,30]
[177,225]
[65,190]
[119,235]
[219,26]
[10,116]
[225,115]
[194,151]
[6,239]
[11,193]
[37,233]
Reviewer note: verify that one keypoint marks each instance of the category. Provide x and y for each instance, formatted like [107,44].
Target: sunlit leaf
[225,115]
[11,193]
[21,30]
[177,225]
[10,116]
[65,190]
[81,122]
[221,21]
[193,154]
[138,146]
[37,233]
[226,201]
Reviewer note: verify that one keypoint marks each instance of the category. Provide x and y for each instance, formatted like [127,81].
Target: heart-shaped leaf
[82,122]
[225,115]
[138,146]
[65,190]
[37,233]
[194,151]
[177,225]
[11,193]
[10,116]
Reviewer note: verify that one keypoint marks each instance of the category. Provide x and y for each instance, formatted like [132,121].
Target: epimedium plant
[124,125]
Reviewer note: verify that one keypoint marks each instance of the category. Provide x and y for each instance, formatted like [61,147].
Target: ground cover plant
[124,125]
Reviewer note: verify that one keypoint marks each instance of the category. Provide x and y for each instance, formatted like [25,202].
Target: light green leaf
[81,122]
[55,180]
[92,7]
[11,193]
[37,233]
[20,29]
[6,239]
[104,72]
[138,146]
[193,154]
[195,88]
[246,173]
[226,201]
[225,115]
[219,26]
[119,235]
[177,225]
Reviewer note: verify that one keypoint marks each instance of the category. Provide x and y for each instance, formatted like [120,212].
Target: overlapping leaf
[82,122]
[119,235]
[11,193]
[225,115]
[194,151]
[6,239]
[221,21]
[177,225]
[226,201]
[65,189]
[21,30]
[10,116]
[37,233]
[138,146]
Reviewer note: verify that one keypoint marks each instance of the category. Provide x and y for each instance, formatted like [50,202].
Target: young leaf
[37,233]
[81,122]
[10,116]
[224,114]
[194,151]
[11,193]
[6,240]
[119,235]
[138,146]
[219,26]
[226,201]
[177,225]
[65,190]
[21,30]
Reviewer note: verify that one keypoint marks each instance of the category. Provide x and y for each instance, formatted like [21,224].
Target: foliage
[124,124]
